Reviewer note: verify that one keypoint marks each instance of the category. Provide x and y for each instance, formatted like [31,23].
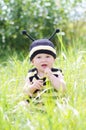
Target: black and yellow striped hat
[42,46]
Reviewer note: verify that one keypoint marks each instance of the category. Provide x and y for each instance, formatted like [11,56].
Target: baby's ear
[54,59]
[32,62]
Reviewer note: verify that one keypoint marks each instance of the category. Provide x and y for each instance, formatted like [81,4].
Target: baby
[42,56]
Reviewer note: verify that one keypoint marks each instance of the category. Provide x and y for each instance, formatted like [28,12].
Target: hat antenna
[56,31]
[24,32]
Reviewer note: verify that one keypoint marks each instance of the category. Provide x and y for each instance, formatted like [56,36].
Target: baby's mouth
[44,65]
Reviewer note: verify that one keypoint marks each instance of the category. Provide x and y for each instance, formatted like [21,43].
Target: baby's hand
[37,84]
[48,72]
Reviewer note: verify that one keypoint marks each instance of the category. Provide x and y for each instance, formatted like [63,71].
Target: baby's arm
[29,88]
[57,82]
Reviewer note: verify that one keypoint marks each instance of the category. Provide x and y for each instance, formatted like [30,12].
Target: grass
[66,112]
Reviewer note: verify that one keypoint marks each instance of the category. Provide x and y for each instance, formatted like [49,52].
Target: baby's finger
[40,82]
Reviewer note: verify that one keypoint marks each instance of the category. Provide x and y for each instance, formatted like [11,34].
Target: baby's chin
[43,69]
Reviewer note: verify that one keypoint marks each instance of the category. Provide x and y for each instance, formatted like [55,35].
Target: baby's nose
[43,59]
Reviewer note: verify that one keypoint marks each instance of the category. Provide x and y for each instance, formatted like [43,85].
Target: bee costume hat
[42,45]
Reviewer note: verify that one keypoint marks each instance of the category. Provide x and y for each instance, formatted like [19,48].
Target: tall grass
[65,112]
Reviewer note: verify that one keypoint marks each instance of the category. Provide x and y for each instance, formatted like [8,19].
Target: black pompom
[24,32]
[57,30]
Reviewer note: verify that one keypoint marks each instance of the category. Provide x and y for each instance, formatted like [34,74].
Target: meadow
[65,112]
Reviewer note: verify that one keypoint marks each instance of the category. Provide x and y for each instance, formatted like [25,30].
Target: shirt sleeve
[58,73]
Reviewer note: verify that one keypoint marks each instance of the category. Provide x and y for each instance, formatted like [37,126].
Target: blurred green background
[40,18]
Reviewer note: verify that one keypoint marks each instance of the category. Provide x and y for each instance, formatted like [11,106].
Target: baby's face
[43,61]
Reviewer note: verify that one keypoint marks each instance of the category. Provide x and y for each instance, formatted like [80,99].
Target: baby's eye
[47,56]
[38,57]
